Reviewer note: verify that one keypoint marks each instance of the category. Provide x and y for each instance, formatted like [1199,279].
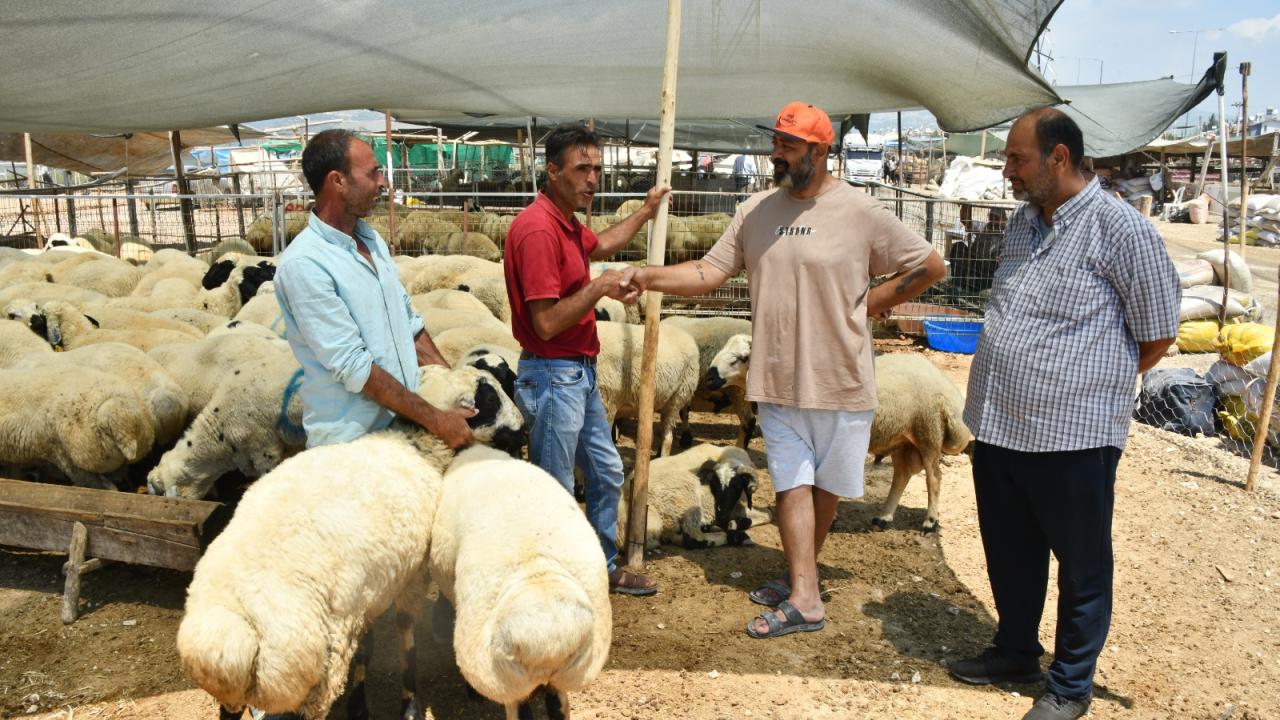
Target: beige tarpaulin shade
[146,153]
[132,65]
[1259,146]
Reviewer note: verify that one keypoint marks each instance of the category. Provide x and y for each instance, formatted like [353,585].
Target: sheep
[163,396]
[66,327]
[136,253]
[711,334]
[439,320]
[110,317]
[200,367]
[87,424]
[17,341]
[317,549]
[107,275]
[198,320]
[263,310]
[618,374]
[699,498]
[500,361]
[41,292]
[490,289]
[611,310]
[432,272]
[455,343]
[521,564]
[228,286]
[35,268]
[168,293]
[919,419]
[251,422]
[170,264]
[449,300]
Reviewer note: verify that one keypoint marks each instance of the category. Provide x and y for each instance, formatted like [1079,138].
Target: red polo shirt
[547,255]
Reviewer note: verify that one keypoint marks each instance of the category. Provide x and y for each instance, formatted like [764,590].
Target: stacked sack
[1202,298]
[1262,213]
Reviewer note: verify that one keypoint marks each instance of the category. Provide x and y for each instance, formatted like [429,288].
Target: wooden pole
[637,503]
[1244,152]
[1264,416]
[31,185]
[391,190]
[1226,223]
[188,218]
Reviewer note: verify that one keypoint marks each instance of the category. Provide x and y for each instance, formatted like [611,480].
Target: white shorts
[826,448]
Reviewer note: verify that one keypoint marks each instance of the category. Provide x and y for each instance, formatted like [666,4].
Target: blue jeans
[568,426]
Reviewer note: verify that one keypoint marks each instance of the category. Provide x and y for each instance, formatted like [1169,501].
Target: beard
[797,178]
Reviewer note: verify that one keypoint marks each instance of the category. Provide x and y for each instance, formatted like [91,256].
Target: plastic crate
[957,336]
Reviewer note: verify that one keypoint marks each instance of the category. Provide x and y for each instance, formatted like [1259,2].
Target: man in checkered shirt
[1084,299]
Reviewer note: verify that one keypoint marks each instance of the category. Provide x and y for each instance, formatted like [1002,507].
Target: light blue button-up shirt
[341,317]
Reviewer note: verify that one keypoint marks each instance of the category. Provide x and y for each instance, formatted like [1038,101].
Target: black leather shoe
[1056,707]
[993,666]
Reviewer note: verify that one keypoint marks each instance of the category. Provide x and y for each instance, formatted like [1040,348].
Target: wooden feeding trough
[103,525]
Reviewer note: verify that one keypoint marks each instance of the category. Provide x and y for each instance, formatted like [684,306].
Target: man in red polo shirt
[553,300]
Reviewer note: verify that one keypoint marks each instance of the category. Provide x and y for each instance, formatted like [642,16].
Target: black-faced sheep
[66,327]
[521,564]
[17,341]
[228,286]
[699,498]
[317,549]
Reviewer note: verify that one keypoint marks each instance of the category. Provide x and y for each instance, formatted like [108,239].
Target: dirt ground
[1196,632]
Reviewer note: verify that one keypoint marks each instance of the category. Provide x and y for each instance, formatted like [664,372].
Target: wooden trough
[96,526]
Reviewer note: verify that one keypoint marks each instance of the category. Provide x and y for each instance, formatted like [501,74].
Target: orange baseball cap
[804,122]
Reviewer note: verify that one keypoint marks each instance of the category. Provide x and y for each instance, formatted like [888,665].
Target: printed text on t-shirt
[794,230]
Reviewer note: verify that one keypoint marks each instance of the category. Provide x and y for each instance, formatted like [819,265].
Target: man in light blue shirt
[348,318]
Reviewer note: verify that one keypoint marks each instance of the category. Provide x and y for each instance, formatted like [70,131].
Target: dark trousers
[1031,504]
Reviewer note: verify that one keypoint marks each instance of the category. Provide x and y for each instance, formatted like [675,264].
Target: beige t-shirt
[809,264]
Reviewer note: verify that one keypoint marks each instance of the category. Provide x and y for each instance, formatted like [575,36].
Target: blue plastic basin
[957,336]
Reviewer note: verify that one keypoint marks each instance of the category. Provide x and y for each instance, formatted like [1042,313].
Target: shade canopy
[133,65]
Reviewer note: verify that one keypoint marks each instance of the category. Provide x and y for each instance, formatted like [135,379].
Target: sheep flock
[169,374]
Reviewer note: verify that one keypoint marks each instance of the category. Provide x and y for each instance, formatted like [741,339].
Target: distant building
[1268,122]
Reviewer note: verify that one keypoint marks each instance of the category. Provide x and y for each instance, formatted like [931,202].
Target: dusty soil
[1196,632]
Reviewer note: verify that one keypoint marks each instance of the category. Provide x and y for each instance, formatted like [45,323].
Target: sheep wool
[522,566]
[618,373]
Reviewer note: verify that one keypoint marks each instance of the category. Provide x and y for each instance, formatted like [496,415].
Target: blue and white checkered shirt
[1058,357]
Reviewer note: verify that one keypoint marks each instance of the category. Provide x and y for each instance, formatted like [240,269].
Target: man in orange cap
[810,248]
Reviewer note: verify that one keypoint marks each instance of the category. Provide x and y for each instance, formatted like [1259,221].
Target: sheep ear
[707,475]
[92,321]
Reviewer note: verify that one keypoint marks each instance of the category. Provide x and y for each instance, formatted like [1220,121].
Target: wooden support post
[1264,415]
[1226,224]
[115,222]
[637,503]
[391,190]
[31,185]
[235,188]
[133,206]
[1244,153]
[71,590]
[188,216]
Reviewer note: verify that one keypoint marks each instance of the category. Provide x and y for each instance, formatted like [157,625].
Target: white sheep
[699,498]
[440,320]
[42,292]
[198,320]
[108,275]
[202,366]
[170,264]
[918,420]
[17,341]
[167,293]
[110,317]
[618,374]
[455,343]
[87,424]
[611,310]
[712,334]
[317,549]
[521,564]
[263,310]
[490,288]
[251,423]
[431,272]
[447,299]
[129,366]
[66,327]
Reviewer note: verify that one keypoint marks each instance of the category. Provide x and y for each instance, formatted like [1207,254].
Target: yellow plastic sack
[1196,336]
[1236,419]
[1238,344]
